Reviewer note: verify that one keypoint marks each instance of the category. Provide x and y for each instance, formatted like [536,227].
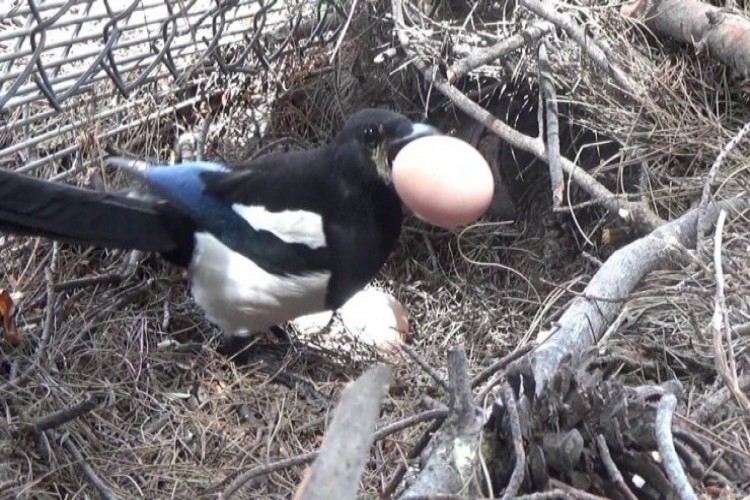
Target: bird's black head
[378,135]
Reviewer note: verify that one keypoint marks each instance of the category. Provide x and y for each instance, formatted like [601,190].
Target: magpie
[265,241]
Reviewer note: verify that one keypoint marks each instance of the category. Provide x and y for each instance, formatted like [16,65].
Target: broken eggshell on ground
[374,317]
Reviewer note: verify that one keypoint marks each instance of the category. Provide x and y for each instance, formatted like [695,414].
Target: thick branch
[343,454]
[452,463]
[724,34]
[589,315]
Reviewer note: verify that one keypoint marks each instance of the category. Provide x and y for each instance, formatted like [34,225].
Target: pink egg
[443,180]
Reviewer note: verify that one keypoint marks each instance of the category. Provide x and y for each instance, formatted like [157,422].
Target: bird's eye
[371,136]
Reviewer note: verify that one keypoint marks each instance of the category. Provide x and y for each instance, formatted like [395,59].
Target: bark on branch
[586,320]
[723,33]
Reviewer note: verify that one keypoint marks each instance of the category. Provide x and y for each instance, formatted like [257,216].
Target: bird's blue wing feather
[183,186]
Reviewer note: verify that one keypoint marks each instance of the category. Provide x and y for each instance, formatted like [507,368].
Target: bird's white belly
[243,299]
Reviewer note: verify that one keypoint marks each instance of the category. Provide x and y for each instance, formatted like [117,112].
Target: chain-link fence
[76,72]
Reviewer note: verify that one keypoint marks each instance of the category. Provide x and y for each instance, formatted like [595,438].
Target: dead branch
[585,321]
[725,362]
[426,367]
[519,467]
[237,483]
[548,102]
[435,414]
[528,36]
[88,472]
[415,451]
[717,400]
[609,464]
[663,431]
[60,417]
[498,365]
[425,416]
[724,33]
[711,176]
[343,454]
[587,44]
[451,464]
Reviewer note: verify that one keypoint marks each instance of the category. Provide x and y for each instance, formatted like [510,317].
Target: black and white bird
[265,242]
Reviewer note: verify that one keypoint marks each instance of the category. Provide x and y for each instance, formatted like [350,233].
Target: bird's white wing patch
[241,298]
[290,226]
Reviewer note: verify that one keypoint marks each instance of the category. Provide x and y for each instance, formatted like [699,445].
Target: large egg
[373,316]
[443,180]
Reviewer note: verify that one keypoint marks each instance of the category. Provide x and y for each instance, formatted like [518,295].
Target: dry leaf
[7,310]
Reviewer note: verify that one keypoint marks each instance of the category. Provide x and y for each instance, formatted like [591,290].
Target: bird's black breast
[361,238]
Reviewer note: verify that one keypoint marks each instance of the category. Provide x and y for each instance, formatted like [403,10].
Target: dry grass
[177,423]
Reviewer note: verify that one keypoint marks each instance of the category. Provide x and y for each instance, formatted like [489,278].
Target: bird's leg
[281,335]
[236,347]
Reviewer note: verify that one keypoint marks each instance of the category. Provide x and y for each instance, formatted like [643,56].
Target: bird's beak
[417,130]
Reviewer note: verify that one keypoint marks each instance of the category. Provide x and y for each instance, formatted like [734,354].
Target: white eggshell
[443,180]
[377,319]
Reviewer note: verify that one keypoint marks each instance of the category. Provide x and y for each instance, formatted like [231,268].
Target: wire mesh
[72,71]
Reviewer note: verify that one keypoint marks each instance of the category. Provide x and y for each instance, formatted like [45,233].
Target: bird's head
[377,135]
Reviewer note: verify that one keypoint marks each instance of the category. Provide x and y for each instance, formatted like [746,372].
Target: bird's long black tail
[33,207]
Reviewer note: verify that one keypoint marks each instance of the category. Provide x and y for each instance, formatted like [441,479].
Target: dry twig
[519,467]
[711,176]
[528,36]
[586,319]
[725,362]
[60,417]
[609,464]
[663,431]
[426,367]
[588,45]
[88,472]
[548,102]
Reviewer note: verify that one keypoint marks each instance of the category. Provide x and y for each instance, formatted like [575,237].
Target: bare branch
[548,101]
[60,417]
[725,363]
[426,367]
[723,33]
[407,422]
[519,467]
[238,482]
[590,314]
[451,465]
[498,365]
[343,454]
[663,430]
[88,472]
[711,176]
[609,464]
[528,36]
[589,46]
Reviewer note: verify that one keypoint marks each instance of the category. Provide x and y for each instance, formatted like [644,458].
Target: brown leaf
[7,311]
